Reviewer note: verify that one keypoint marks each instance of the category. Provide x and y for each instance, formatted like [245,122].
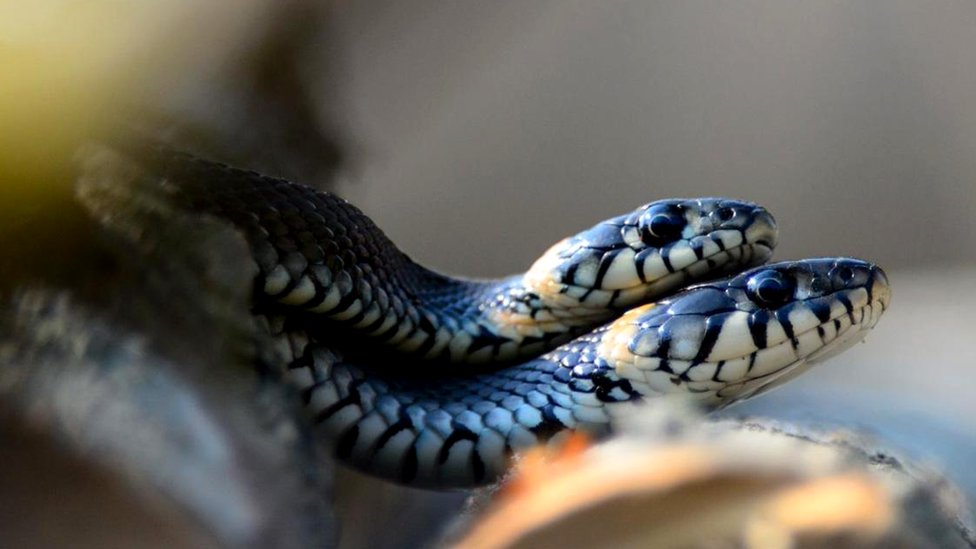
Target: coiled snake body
[320,256]
[718,342]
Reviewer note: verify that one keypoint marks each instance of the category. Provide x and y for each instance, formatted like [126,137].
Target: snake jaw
[717,343]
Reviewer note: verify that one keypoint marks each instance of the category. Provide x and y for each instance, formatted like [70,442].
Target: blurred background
[476,134]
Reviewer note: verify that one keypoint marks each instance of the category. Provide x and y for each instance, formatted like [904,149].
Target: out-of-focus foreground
[475,135]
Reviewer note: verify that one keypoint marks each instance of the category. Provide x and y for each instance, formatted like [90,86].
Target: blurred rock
[147,371]
[672,480]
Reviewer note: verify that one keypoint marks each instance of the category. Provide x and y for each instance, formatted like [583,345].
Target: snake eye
[770,289]
[842,277]
[660,225]
[724,214]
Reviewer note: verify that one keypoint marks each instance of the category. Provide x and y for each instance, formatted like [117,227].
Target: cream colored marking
[734,370]
[631,296]
[322,274]
[772,358]
[844,321]
[635,375]
[802,318]
[441,338]
[829,332]
[734,340]
[388,321]
[614,341]
[460,343]
[277,280]
[709,247]
[574,293]
[586,273]
[681,255]
[545,315]
[622,272]
[541,271]
[596,299]
[647,343]
[837,309]
[654,268]
[372,314]
[413,342]
[758,230]
[302,293]
[660,382]
[707,385]
[844,340]
[774,332]
[808,342]
[332,299]
[698,269]
[350,312]
[703,371]
[631,237]
[730,238]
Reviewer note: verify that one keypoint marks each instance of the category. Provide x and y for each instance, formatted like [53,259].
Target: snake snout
[879,287]
[763,230]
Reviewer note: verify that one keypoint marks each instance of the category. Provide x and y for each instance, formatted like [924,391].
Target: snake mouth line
[721,262]
[842,339]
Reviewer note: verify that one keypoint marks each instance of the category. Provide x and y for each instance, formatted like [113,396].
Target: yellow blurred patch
[71,70]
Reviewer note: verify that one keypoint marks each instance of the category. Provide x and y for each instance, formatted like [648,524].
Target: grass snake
[326,269]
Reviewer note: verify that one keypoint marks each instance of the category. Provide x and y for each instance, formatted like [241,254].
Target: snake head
[653,251]
[730,339]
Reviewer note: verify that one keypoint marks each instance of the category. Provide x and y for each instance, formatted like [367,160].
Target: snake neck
[461,430]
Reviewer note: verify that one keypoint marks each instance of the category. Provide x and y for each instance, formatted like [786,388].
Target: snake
[321,257]
[716,343]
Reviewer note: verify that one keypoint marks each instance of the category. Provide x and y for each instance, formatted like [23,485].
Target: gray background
[488,130]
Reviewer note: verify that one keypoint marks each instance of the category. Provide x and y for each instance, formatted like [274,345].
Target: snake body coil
[718,343]
[321,256]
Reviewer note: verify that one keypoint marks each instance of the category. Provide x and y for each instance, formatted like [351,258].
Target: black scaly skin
[717,343]
[321,256]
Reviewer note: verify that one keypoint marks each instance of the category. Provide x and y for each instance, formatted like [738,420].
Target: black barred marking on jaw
[712,342]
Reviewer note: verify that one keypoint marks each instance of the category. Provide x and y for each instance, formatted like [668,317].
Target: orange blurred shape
[540,464]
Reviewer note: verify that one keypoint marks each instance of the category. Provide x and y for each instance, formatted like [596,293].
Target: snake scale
[327,271]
